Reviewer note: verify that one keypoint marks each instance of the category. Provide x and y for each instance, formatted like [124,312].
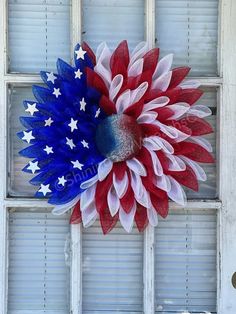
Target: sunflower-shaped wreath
[116,136]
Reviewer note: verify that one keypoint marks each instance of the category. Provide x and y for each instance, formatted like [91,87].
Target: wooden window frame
[226,140]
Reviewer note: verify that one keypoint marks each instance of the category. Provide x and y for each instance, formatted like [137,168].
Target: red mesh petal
[178,75]
[163,160]
[75,217]
[107,221]
[101,193]
[194,152]
[119,68]
[163,114]
[160,204]
[149,129]
[107,105]
[180,125]
[172,94]
[127,201]
[190,95]
[150,60]
[135,110]
[197,125]
[121,56]
[134,81]
[94,80]
[119,169]
[141,218]
[186,178]
[90,52]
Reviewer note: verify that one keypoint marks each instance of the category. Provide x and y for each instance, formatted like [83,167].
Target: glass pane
[188,28]
[38,279]
[208,189]
[39,33]
[113,21]
[185,265]
[18,180]
[112,271]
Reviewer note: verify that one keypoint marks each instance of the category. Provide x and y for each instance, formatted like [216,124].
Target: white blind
[113,21]
[112,271]
[185,262]
[38,275]
[39,33]
[189,29]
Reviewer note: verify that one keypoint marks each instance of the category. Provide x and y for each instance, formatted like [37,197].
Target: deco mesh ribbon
[116,136]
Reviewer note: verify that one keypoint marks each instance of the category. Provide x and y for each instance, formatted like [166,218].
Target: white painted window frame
[226,84]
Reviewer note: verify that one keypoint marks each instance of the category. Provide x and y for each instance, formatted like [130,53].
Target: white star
[56,92]
[73,124]
[77,164]
[70,143]
[51,77]
[44,189]
[28,136]
[48,122]
[33,166]
[61,180]
[48,150]
[31,109]
[78,74]
[97,113]
[85,144]
[82,104]
[80,53]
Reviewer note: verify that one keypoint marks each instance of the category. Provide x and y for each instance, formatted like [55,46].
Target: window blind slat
[38,276]
[113,21]
[185,262]
[188,28]
[112,271]
[32,37]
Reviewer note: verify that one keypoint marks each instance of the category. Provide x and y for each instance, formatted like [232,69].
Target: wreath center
[118,137]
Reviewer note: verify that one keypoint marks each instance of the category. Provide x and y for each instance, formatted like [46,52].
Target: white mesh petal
[136,166]
[115,86]
[104,169]
[176,192]
[121,186]
[113,201]
[61,209]
[127,220]
[163,66]
[156,103]
[162,82]
[136,68]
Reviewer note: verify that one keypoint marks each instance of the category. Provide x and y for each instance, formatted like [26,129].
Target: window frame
[225,82]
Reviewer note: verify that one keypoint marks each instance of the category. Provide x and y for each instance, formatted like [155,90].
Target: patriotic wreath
[116,136]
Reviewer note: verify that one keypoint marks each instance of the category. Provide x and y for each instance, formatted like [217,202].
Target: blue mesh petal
[51,127]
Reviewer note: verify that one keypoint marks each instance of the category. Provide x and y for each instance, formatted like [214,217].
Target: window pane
[113,21]
[18,180]
[188,28]
[112,271]
[38,274]
[185,267]
[208,188]
[39,33]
